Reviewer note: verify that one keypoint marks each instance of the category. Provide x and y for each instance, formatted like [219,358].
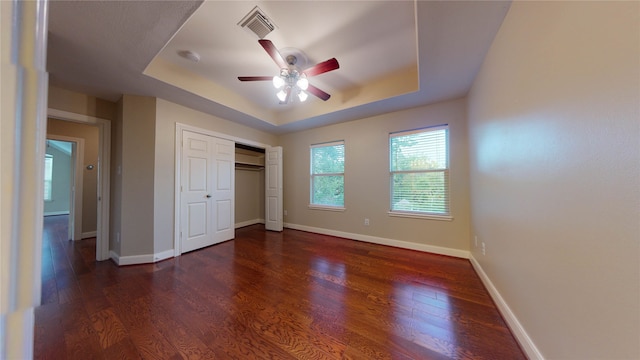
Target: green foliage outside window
[327,174]
[419,162]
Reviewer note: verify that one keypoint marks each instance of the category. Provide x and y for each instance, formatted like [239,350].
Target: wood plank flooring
[265,295]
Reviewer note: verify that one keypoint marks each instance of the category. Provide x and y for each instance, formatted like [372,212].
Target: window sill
[420,216]
[326,207]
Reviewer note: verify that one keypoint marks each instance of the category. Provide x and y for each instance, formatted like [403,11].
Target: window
[327,174]
[48,176]
[419,170]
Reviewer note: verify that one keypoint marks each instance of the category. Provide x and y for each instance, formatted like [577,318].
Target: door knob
[208,196]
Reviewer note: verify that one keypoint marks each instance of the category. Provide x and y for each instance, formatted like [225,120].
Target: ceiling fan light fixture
[303,83]
[278,82]
[293,81]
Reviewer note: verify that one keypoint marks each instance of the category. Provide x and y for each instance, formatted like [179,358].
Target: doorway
[63,181]
[102,170]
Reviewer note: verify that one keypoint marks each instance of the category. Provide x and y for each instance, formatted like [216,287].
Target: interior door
[207,188]
[224,153]
[273,188]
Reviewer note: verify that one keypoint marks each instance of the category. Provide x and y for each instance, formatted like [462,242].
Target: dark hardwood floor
[265,295]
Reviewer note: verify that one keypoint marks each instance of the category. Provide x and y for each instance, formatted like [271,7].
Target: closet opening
[249,185]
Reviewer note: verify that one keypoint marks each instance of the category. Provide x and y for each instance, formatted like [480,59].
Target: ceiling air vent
[257,22]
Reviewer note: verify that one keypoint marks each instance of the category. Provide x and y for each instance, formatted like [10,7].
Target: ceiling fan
[291,79]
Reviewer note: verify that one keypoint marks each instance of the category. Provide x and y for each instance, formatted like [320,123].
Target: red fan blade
[317,92]
[322,67]
[255,78]
[286,99]
[274,53]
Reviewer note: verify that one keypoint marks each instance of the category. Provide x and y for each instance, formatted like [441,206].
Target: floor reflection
[431,318]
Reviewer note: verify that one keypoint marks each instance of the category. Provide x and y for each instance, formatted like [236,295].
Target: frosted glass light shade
[303,83]
[278,82]
[281,95]
[302,96]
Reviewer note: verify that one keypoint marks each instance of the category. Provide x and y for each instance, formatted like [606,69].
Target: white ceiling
[392,54]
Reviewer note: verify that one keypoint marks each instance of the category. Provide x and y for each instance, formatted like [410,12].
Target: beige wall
[555,169]
[249,194]
[168,114]
[367,177]
[136,170]
[79,103]
[89,177]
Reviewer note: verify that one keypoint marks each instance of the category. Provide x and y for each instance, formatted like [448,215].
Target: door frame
[180,127]
[104,174]
[75,205]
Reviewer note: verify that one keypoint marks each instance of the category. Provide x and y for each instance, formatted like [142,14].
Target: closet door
[273,188]
[207,185]
[223,188]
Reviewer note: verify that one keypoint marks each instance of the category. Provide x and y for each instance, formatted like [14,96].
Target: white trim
[517,329]
[23,95]
[71,116]
[195,129]
[54,213]
[89,234]
[163,255]
[20,324]
[115,257]
[249,222]
[135,259]
[384,241]
[327,207]
[141,259]
[327,144]
[104,169]
[420,216]
[180,127]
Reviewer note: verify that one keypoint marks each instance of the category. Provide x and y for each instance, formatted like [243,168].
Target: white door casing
[273,189]
[207,189]
[103,168]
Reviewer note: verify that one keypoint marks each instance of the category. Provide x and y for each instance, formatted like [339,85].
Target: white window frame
[48,173]
[313,205]
[420,214]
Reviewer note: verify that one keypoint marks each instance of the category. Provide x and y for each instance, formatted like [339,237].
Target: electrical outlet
[366,222]
[285,213]
[476,239]
[484,249]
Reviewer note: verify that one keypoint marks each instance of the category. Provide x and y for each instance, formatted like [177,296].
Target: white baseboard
[115,257]
[163,255]
[249,222]
[88,234]
[383,241]
[54,213]
[517,329]
[141,259]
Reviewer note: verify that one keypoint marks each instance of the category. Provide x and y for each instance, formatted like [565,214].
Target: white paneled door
[273,188]
[207,190]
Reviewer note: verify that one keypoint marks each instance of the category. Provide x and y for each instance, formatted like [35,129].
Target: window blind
[419,170]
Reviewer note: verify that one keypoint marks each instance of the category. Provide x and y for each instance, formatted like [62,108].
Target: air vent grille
[257,22]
